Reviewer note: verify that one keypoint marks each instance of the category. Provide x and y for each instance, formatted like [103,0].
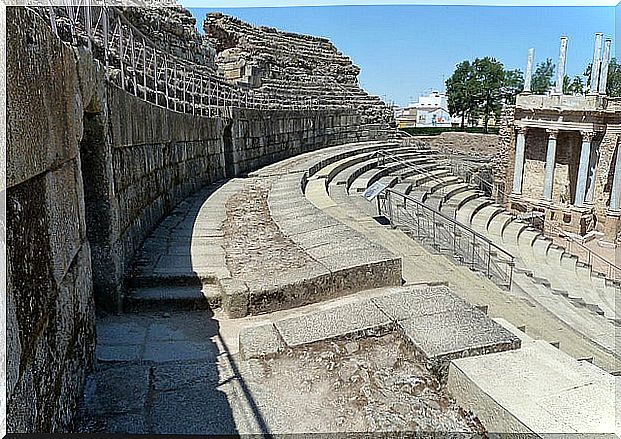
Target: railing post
[489,259]
[104,12]
[202,95]
[176,86]
[166,85]
[433,227]
[474,243]
[133,60]
[155,77]
[193,92]
[144,68]
[209,96]
[89,30]
[52,18]
[185,85]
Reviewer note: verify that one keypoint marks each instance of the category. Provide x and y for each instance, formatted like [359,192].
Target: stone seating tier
[544,272]
[192,254]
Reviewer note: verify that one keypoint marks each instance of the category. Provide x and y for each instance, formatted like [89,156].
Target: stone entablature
[556,102]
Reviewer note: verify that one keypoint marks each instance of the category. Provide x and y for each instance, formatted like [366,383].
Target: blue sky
[407,50]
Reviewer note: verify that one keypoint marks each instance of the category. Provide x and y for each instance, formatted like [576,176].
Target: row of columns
[599,66]
[585,187]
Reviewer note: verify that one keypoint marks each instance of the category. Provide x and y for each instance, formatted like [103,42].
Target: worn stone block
[465,331]
[235,297]
[259,341]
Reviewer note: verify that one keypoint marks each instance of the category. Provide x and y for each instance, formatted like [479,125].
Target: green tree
[575,85]
[513,85]
[461,90]
[542,78]
[613,86]
[490,78]
[613,83]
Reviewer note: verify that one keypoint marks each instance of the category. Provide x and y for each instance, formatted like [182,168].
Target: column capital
[552,133]
[521,129]
[587,136]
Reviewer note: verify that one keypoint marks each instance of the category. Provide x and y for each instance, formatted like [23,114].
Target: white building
[430,111]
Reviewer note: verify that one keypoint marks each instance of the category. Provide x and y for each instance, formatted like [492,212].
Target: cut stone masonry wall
[50,312]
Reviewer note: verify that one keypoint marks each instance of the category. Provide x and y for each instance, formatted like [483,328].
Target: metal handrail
[418,169]
[612,268]
[452,221]
[454,231]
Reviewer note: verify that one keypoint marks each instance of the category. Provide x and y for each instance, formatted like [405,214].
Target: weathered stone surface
[275,61]
[259,341]
[338,321]
[416,302]
[92,166]
[461,332]
[49,263]
[173,29]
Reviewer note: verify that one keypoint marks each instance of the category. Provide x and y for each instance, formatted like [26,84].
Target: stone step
[173,298]
[579,318]
[541,390]
[435,322]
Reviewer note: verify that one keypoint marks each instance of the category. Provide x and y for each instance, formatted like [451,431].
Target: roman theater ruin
[223,233]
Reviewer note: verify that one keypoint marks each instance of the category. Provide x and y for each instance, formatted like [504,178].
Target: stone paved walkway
[180,372]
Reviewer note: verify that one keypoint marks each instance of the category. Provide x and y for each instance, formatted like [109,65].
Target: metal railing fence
[595,261]
[447,236]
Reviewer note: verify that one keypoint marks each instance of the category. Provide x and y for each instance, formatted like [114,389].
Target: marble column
[548,182]
[583,170]
[592,174]
[560,69]
[595,66]
[518,169]
[528,78]
[615,193]
[603,75]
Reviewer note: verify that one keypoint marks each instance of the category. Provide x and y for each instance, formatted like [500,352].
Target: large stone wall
[50,313]
[158,158]
[261,138]
[91,171]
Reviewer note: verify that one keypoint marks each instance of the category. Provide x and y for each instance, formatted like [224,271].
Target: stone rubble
[305,67]
[376,388]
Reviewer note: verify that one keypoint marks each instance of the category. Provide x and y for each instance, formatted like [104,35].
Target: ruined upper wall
[173,29]
[284,63]
[276,54]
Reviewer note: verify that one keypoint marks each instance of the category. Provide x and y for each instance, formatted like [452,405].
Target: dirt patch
[255,246]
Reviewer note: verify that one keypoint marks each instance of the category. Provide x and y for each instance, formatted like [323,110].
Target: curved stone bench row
[549,275]
[184,260]
[546,273]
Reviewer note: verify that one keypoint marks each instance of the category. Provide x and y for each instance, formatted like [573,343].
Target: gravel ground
[364,385]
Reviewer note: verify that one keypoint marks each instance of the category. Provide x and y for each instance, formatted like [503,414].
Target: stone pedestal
[612,225]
